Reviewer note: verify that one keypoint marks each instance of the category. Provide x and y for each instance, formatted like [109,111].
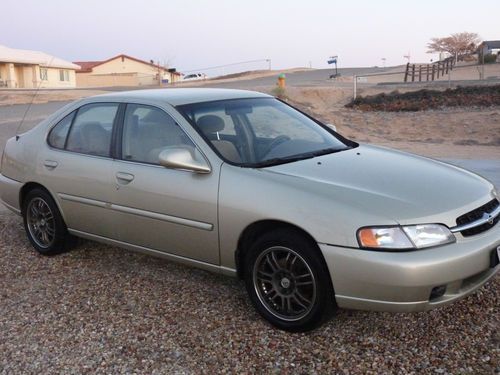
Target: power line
[232,64]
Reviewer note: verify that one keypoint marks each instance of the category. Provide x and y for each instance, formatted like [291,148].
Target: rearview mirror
[187,158]
[332,127]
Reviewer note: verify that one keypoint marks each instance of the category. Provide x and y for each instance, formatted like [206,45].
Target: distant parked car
[240,183]
[194,77]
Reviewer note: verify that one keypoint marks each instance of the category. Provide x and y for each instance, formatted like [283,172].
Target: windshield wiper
[277,161]
[290,159]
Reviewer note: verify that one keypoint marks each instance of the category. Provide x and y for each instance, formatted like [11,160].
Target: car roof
[180,96]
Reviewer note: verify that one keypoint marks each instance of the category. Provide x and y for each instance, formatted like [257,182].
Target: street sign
[332,60]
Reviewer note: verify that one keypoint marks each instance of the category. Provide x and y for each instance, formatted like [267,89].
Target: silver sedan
[240,183]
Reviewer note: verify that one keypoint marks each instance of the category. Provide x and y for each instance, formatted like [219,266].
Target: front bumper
[404,281]
[9,193]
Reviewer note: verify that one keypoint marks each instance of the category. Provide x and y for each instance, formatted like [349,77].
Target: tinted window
[58,134]
[147,131]
[91,130]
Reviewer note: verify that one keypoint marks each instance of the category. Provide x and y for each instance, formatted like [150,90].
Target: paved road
[314,77]
[489,169]
[11,116]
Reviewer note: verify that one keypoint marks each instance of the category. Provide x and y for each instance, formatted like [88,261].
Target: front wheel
[288,281]
[44,224]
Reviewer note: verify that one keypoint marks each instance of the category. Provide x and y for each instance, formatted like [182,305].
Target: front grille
[477,214]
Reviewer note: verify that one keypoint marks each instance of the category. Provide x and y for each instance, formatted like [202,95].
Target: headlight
[405,237]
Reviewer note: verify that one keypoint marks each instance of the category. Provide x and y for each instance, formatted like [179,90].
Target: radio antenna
[32,100]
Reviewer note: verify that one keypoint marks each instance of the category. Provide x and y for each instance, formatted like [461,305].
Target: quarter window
[147,131]
[58,134]
[92,128]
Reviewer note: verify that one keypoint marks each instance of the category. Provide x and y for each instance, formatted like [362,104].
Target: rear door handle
[50,164]
[124,178]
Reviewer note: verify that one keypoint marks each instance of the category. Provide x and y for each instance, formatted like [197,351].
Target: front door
[167,210]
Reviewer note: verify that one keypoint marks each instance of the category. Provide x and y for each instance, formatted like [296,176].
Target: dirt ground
[457,132]
[471,133]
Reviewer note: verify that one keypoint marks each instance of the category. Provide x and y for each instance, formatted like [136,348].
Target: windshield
[261,132]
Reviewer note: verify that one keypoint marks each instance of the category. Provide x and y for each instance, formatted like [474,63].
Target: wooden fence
[428,72]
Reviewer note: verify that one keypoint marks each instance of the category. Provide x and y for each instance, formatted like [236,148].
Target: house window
[63,75]
[43,74]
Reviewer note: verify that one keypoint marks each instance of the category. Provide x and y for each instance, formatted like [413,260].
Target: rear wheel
[288,281]
[44,224]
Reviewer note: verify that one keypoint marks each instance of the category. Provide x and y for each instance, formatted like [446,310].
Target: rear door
[167,210]
[76,167]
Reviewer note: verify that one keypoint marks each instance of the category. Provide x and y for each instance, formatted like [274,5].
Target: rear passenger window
[58,134]
[92,128]
[147,131]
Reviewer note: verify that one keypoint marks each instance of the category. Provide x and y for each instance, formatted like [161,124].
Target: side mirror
[187,158]
[332,127]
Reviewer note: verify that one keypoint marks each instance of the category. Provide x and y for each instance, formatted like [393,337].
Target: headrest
[156,116]
[92,126]
[210,124]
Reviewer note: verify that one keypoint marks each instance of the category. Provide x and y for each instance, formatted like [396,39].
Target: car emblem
[490,219]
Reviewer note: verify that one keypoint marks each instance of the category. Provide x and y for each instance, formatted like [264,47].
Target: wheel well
[26,189]
[257,229]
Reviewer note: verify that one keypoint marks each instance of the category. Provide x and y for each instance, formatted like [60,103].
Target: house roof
[24,56]
[492,44]
[87,66]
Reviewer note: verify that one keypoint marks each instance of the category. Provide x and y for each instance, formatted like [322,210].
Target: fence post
[433,68]
[406,72]
[354,83]
[427,72]
[413,73]
[420,73]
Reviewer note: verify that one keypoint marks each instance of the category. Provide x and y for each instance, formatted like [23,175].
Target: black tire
[282,291]
[40,214]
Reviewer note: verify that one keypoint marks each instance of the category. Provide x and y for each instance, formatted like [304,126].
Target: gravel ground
[99,309]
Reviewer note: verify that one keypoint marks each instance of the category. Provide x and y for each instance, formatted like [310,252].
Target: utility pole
[159,75]
[407,57]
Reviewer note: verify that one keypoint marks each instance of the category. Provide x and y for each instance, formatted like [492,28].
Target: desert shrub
[481,96]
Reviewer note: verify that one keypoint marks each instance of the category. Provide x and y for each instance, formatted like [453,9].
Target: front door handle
[50,164]
[124,178]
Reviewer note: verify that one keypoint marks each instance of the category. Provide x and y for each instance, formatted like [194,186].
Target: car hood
[394,185]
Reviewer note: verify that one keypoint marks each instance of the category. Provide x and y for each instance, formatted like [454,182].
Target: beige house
[33,69]
[123,70]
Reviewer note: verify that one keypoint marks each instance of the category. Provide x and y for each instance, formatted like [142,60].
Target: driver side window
[147,131]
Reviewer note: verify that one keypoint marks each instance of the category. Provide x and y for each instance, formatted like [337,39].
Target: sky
[194,34]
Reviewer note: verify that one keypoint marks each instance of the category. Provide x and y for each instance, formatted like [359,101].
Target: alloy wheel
[284,283]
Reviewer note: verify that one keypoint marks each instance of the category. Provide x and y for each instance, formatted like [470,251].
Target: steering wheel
[277,141]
